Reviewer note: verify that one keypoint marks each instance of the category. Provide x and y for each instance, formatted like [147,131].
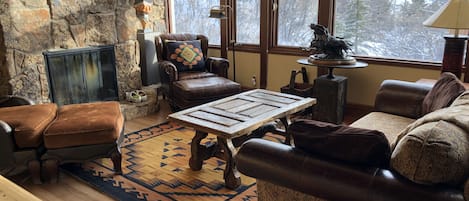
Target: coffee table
[232,117]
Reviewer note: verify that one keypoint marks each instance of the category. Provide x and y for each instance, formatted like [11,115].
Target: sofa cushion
[85,124]
[435,152]
[186,55]
[435,148]
[462,99]
[348,144]
[389,124]
[446,89]
[28,122]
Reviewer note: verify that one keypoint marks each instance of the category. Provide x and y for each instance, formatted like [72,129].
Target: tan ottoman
[83,132]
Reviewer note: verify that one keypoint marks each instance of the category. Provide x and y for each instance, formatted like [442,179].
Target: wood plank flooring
[71,189]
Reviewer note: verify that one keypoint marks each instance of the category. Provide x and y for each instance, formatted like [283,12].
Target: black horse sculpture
[326,46]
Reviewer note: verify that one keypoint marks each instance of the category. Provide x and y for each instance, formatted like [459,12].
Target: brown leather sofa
[284,172]
[190,87]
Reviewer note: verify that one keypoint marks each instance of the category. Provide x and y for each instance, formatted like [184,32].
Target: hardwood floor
[71,189]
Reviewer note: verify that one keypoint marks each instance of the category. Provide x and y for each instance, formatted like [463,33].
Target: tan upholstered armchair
[188,76]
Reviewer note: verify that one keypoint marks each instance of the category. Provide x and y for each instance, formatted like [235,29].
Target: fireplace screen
[82,75]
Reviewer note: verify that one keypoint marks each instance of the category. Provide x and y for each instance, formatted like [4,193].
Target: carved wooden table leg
[286,121]
[197,151]
[231,174]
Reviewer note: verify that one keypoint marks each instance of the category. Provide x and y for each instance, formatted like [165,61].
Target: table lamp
[453,15]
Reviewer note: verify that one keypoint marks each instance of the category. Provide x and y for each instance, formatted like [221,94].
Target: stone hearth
[28,28]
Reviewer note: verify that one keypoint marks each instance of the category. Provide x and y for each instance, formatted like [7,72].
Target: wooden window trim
[326,17]
[293,51]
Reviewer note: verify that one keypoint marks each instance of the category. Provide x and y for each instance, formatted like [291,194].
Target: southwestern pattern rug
[155,167]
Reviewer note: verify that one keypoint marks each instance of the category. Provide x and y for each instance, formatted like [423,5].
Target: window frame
[325,16]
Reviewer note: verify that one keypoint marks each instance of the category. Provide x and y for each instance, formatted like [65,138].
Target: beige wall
[362,83]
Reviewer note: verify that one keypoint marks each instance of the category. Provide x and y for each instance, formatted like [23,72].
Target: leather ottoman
[193,92]
[83,132]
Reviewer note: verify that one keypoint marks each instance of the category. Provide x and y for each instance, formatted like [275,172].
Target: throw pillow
[433,153]
[462,99]
[445,90]
[186,55]
[355,146]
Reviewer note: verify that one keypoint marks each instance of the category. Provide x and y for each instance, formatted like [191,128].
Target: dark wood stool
[331,95]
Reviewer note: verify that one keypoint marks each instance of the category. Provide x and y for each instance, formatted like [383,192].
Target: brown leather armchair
[186,87]
[21,142]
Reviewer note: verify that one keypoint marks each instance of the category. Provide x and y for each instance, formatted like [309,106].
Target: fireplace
[82,75]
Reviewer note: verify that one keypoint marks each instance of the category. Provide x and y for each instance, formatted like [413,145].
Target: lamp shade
[453,15]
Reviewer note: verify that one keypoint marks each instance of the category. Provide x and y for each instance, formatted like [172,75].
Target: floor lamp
[219,12]
[453,15]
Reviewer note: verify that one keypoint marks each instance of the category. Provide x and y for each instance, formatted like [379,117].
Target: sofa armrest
[401,98]
[11,100]
[6,146]
[286,166]
[218,66]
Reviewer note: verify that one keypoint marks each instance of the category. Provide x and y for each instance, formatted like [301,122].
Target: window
[191,16]
[248,15]
[390,28]
[294,18]
[377,28]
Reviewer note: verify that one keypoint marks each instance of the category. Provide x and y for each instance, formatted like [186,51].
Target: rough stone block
[61,35]
[127,24]
[101,29]
[29,30]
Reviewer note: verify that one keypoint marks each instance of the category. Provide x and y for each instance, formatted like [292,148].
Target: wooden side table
[330,91]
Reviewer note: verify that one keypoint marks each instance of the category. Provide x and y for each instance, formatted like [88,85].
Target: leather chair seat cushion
[85,124]
[356,146]
[188,75]
[205,88]
[28,122]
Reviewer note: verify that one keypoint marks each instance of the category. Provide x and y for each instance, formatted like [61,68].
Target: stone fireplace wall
[27,28]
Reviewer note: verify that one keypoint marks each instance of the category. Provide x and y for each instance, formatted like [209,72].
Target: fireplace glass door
[82,75]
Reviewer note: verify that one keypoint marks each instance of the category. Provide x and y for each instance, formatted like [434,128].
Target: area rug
[155,167]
